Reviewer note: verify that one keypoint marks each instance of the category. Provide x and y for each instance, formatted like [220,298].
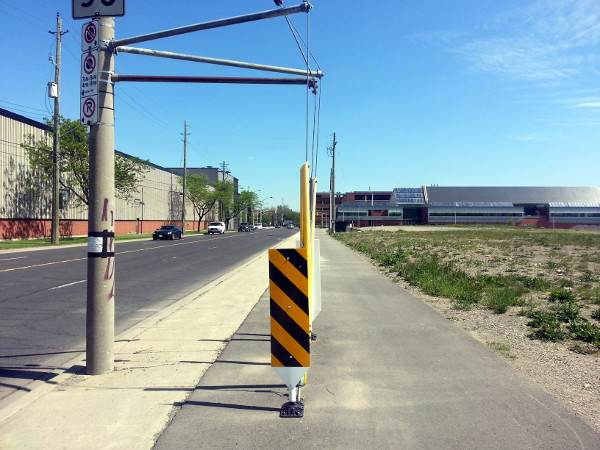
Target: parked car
[258,226]
[216,227]
[244,226]
[168,232]
[277,225]
[290,226]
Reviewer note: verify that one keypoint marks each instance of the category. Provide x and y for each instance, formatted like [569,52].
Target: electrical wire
[316,129]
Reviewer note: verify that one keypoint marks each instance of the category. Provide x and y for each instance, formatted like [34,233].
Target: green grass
[493,267]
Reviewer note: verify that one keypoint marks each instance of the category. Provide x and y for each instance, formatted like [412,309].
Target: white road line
[68,284]
[10,259]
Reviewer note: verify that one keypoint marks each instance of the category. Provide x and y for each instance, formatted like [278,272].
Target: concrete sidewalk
[387,372]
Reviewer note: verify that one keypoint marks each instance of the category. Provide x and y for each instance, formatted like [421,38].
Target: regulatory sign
[89,73]
[85,9]
[89,88]
[89,110]
[89,36]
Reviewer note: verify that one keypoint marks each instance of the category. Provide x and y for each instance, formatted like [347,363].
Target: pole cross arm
[217,61]
[304,7]
[312,83]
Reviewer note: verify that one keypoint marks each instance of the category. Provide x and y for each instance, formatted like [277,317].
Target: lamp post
[261,210]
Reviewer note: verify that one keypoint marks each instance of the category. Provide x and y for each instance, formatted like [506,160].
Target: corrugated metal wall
[17,198]
[158,197]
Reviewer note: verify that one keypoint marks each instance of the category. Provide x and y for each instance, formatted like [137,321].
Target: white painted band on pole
[94,244]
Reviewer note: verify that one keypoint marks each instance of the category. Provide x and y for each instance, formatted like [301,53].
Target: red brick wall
[32,228]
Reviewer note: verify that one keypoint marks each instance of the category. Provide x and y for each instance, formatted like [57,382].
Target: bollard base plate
[292,409]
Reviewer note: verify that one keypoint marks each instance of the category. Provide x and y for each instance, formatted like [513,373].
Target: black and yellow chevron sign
[290,320]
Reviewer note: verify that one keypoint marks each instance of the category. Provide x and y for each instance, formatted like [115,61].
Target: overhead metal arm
[221,62]
[312,83]
[304,7]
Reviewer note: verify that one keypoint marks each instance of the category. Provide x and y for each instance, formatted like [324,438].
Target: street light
[261,210]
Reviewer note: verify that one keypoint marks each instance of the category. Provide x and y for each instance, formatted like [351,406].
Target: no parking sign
[89,88]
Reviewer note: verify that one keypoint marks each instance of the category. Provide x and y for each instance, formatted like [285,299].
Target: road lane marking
[33,266]
[67,285]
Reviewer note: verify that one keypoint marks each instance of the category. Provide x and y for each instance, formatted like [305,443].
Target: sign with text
[86,9]
[89,88]
[89,36]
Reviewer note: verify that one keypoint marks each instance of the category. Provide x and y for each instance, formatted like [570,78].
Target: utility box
[52,90]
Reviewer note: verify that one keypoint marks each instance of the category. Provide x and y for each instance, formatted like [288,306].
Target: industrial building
[541,207]
[26,202]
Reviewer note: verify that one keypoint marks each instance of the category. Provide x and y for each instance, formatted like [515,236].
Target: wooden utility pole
[332,190]
[185,134]
[55,233]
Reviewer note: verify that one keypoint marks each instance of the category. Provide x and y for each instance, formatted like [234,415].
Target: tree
[241,203]
[74,163]
[200,195]
[223,192]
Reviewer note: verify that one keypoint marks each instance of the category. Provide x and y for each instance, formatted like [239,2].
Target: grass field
[551,276]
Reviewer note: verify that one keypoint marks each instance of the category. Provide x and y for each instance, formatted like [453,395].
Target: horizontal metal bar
[304,7]
[221,62]
[227,80]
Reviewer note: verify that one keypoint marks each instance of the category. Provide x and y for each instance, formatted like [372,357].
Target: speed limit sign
[84,9]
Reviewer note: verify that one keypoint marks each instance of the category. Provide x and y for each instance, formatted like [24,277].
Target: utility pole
[55,233]
[221,208]
[100,329]
[185,134]
[332,189]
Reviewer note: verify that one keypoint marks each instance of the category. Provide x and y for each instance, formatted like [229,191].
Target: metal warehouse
[542,207]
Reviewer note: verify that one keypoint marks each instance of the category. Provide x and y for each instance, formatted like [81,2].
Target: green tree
[241,203]
[223,191]
[74,162]
[199,193]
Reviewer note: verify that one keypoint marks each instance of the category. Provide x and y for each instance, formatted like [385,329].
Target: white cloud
[588,105]
[547,41]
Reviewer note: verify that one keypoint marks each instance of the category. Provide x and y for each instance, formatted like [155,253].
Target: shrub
[586,332]
[561,296]
[538,283]
[548,327]
[567,312]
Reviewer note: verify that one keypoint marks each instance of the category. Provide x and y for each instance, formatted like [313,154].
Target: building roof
[513,194]
[23,119]
[213,173]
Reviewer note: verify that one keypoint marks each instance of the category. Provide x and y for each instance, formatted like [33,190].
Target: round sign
[89,33]
[89,107]
[89,64]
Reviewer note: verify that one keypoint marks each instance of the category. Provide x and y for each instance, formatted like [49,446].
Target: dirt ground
[571,377]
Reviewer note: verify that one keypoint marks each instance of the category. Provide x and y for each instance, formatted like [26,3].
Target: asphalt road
[43,294]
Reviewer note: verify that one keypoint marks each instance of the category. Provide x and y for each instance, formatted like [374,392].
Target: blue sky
[461,93]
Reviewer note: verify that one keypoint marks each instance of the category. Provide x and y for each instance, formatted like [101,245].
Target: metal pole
[221,62]
[101,218]
[224,80]
[304,7]
[55,236]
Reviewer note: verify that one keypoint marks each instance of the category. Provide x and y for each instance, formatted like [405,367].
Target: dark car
[168,232]
[245,227]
